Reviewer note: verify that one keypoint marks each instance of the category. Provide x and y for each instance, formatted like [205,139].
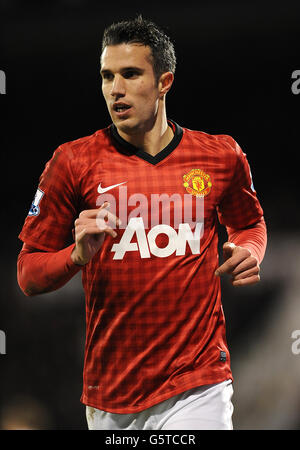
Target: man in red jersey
[143,198]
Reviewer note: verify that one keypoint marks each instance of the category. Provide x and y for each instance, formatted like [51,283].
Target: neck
[152,141]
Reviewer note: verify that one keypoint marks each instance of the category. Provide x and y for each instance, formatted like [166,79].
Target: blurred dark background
[234,76]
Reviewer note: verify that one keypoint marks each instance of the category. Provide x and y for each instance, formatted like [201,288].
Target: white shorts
[203,408]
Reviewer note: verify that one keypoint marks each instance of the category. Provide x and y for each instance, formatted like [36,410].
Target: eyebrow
[124,69]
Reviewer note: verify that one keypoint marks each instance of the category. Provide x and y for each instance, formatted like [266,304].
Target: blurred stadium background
[235,62]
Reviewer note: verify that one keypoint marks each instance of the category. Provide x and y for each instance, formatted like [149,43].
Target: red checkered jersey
[154,320]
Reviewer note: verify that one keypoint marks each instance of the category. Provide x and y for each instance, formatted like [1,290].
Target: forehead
[134,55]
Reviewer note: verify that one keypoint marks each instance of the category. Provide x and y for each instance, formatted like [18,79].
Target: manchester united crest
[197,183]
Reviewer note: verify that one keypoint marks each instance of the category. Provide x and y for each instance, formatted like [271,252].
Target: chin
[132,127]
[127,126]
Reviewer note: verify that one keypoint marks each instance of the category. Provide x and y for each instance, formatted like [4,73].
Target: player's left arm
[243,253]
[242,215]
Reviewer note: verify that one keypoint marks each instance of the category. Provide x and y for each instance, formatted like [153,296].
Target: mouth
[121,109]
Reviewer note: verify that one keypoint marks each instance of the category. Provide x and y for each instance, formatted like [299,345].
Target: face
[129,86]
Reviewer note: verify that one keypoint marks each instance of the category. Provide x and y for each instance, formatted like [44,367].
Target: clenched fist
[90,229]
[240,264]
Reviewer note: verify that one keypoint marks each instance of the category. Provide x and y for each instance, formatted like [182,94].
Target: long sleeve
[253,238]
[39,272]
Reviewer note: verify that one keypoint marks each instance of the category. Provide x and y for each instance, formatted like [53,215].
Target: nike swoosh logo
[102,190]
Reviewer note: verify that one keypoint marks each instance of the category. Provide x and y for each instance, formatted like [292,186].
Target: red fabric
[40,272]
[155,323]
[253,238]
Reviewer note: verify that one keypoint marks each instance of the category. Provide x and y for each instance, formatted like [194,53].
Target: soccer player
[143,199]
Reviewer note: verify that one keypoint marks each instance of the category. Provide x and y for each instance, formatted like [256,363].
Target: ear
[165,82]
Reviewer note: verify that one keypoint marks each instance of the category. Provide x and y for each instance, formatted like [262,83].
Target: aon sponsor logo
[146,243]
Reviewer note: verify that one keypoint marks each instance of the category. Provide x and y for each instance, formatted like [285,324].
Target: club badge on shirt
[197,183]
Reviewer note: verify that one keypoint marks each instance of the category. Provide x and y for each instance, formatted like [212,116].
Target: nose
[118,87]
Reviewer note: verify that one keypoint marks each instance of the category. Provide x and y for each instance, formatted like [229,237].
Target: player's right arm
[45,263]
[39,271]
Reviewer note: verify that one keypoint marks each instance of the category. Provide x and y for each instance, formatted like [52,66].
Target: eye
[107,76]
[130,74]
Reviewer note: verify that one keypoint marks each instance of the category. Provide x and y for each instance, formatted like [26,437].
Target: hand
[240,264]
[90,229]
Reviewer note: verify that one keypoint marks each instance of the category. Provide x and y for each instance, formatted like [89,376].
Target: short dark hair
[145,32]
